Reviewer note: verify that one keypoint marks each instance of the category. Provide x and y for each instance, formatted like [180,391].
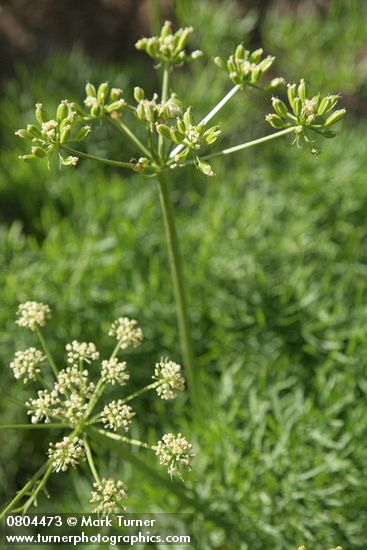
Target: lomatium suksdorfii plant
[69,400]
[173,140]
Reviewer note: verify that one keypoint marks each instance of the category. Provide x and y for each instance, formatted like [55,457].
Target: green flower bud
[187,118]
[335,117]
[275,121]
[279,106]
[90,90]
[256,55]
[102,92]
[164,130]
[239,52]
[182,41]
[38,152]
[115,94]
[276,83]
[62,110]
[141,44]
[267,63]
[65,134]
[219,61]
[212,134]
[40,114]
[256,75]
[115,106]
[302,90]
[297,106]
[291,93]
[34,130]
[176,136]
[196,54]
[181,126]
[166,29]
[27,158]
[139,94]
[24,134]
[140,112]
[205,168]
[83,133]
[96,110]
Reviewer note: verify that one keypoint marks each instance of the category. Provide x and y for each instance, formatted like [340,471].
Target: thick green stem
[178,285]
[124,439]
[165,85]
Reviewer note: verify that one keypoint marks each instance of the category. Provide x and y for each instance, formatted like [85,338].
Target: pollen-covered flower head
[116,415]
[26,364]
[169,376]
[127,332]
[81,351]
[174,452]
[66,453]
[108,496]
[114,372]
[30,314]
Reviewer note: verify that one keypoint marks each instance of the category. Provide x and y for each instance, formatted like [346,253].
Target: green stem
[25,489]
[165,85]
[92,466]
[50,426]
[101,160]
[178,284]
[48,354]
[122,128]
[140,392]
[124,439]
[242,146]
[40,486]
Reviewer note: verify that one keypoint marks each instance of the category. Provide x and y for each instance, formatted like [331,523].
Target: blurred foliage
[275,257]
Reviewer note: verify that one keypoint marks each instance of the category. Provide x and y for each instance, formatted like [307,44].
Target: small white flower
[26,363]
[49,129]
[31,314]
[174,452]
[116,415]
[73,408]
[127,332]
[72,379]
[41,407]
[114,372]
[66,453]
[81,351]
[90,101]
[108,496]
[169,376]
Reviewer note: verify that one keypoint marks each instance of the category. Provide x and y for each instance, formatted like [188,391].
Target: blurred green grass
[275,258]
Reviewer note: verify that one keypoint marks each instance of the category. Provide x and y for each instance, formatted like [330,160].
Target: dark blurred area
[106,29]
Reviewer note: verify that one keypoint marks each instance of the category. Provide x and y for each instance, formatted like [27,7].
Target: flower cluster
[108,496]
[31,314]
[127,332]
[192,137]
[103,100]
[114,372]
[66,453]
[151,111]
[169,47]
[245,67]
[41,407]
[26,364]
[52,134]
[306,113]
[174,452]
[116,415]
[169,377]
[81,351]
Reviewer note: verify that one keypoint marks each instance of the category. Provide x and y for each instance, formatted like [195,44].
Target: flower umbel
[108,496]
[81,351]
[66,453]
[26,364]
[31,314]
[114,372]
[116,415]
[127,332]
[245,67]
[170,379]
[174,452]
